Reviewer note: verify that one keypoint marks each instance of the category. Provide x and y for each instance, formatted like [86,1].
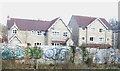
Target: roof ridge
[29,19]
[88,16]
[83,21]
[84,16]
[30,24]
[55,18]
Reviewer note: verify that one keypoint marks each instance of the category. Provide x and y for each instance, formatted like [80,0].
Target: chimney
[8,17]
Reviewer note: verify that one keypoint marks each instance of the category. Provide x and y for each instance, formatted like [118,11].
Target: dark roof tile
[84,21]
[25,24]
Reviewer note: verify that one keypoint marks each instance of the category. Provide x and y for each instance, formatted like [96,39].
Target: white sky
[51,10]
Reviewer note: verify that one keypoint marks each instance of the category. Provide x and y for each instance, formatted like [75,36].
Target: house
[38,32]
[90,31]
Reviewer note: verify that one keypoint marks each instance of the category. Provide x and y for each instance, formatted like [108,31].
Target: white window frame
[93,38]
[65,34]
[92,29]
[100,30]
[83,38]
[55,44]
[33,32]
[83,28]
[14,31]
[108,39]
[40,32]
[37,44]
[101,39]
[55,33]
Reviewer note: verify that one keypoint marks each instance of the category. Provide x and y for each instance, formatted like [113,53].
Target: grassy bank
[10,64]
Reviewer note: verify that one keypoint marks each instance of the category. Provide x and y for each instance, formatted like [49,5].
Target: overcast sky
[51,10]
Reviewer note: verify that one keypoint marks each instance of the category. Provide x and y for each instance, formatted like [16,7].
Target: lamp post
[86,36]
[114,40]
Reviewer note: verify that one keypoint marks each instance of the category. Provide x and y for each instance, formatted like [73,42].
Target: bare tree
[4,30]
[113,22]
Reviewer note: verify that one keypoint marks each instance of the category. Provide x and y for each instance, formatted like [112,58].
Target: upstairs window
[38,32]
[100,30]
[83,28]
[93,29]
[55,33]
[33,32]
[14,31]
[65,34]
[83,38]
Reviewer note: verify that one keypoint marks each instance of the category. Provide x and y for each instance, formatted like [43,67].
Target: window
[52,33]
[55,33]
[33,32]
[52,43]
[37,44]
[101,39]
[55,44]
[83,38]
[83,28]
[39,32]
[108,39]
[91,38]
[100,30]
[65,34]
[93,29]
[14,31]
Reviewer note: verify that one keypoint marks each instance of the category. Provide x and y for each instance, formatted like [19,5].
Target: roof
[26,24]
[84,21]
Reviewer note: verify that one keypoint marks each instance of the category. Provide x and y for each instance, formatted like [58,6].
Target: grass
[10,64]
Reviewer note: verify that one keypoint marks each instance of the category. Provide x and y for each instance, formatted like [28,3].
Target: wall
[27,37]
[61,54]
[58,26]
[49,54]
[95,33]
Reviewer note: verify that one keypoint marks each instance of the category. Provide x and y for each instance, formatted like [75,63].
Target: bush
[37,53]
[84,53]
